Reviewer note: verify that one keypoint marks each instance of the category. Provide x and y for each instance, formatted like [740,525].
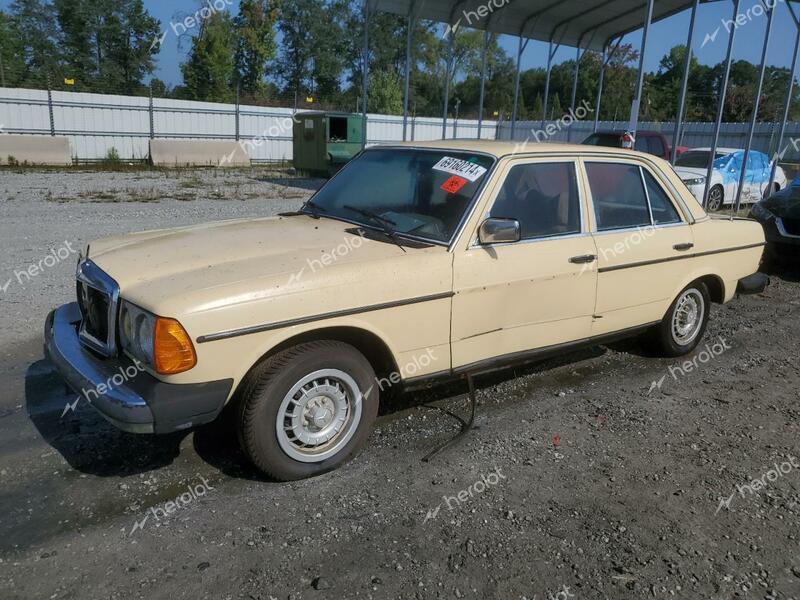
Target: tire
[716,198]
[312,386]
[666,337]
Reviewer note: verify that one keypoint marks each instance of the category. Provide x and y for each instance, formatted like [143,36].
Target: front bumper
[129,398]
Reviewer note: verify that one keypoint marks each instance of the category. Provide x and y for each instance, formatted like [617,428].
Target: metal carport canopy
[570,22]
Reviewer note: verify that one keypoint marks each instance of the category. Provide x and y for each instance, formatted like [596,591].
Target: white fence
[95,123]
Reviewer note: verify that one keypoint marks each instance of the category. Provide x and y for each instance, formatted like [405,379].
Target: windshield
[696,159]
[419,193]
[611,140]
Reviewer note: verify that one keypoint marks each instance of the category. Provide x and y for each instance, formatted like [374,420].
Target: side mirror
[499,231]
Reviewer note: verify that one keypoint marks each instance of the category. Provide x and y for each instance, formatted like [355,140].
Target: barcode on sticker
[460,167]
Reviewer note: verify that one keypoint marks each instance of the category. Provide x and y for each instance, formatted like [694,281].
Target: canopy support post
[406,83]
[365,75]
[523,43]
[447,67]
[720,106]
[687,65]
[637,98]
[551,52]
[483,81]
[756,104]
[779,152]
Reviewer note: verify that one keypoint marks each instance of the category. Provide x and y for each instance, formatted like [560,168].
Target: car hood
[690,172]
[785,204]
[203,267]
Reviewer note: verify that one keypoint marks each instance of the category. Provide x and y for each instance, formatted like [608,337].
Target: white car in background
[692,167]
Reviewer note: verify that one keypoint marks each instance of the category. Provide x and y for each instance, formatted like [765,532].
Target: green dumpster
[325,141]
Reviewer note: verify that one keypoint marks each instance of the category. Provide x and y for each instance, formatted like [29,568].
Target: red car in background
[651,142]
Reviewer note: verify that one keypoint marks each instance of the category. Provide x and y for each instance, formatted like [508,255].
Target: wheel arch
[370,344]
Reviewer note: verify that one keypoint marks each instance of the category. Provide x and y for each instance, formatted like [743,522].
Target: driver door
[538,292]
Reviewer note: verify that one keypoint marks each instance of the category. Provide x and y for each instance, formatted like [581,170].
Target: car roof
[639,132]
[499,149]
[719,150]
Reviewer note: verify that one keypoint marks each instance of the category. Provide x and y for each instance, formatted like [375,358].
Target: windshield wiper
[384,223]
[314,208]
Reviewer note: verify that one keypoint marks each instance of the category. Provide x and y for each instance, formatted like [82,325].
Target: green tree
[386,94]
[311,60]
[106,45]
[34,36]
[255,44]
[209,71]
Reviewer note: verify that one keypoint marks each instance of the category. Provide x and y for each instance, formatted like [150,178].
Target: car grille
[792,226]
[98,296]
[94,310]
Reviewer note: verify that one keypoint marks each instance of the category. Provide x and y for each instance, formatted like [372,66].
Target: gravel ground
[605,474]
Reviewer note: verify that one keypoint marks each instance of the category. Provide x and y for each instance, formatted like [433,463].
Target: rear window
[618,194]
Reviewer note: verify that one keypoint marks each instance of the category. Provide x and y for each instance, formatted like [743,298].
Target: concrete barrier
[34,150]
[194,153]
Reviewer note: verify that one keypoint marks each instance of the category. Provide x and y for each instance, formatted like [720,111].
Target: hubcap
[715,199]
[319,415]
[688,317]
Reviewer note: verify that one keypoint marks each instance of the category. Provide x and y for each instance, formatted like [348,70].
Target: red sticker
[455,183]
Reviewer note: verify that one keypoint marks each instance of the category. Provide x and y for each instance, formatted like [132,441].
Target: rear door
[641,234]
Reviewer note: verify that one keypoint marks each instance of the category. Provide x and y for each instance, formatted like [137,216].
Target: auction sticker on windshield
[463,168]
[454,184]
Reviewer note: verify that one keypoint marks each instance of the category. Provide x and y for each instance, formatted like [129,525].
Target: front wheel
[683,326]
[307,410]
[715,198]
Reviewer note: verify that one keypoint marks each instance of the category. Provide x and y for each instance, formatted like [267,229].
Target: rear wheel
[715,198]
[683,326]
[307,410]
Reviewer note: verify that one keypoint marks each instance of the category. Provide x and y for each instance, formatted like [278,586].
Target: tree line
[308,53]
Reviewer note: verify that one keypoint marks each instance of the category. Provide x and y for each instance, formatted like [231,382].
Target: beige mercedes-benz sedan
[416,263]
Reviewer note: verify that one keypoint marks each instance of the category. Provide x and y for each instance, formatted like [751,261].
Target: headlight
[760,212]
[160,343]
[695,181]
[136,331]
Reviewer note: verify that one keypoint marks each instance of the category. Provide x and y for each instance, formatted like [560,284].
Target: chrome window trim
[89,274]
[638,228]
[475,242]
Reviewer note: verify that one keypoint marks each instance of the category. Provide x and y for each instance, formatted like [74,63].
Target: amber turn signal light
[173,351]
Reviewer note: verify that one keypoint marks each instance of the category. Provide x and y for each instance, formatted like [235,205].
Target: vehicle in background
[650,142]
[780,216]
[692,168]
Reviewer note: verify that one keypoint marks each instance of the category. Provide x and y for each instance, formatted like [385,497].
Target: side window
[618,194]
[656,146]
[663,210]
[543,197]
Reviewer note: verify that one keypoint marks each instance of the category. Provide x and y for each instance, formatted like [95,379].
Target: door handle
[586,258]
[683,247]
